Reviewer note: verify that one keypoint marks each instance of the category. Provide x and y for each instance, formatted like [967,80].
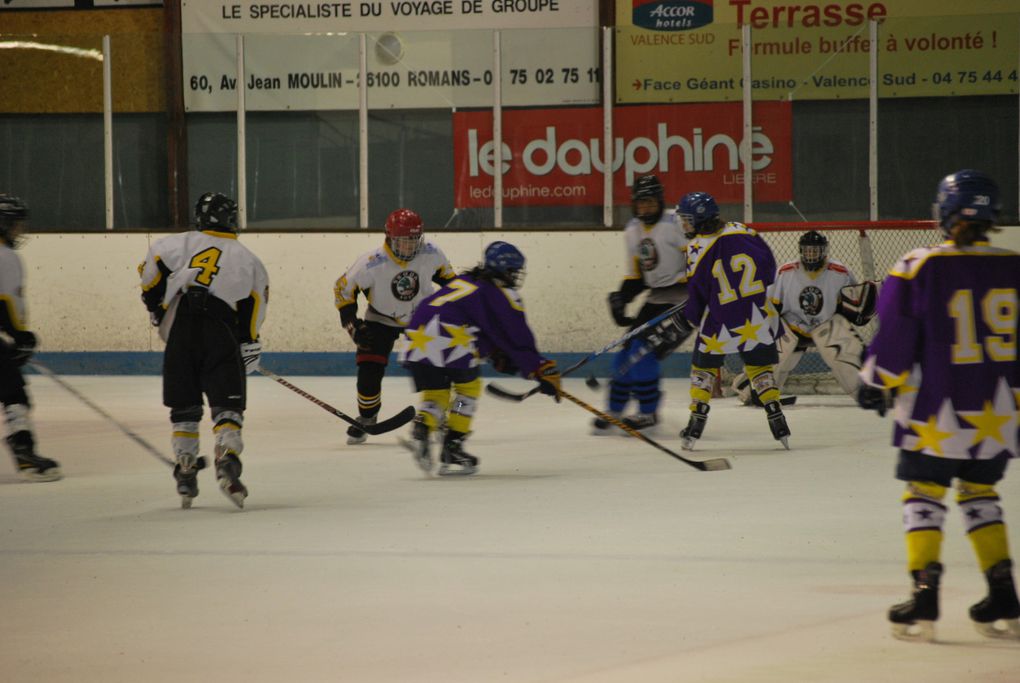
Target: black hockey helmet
[647,187]
[215,211]
[12,212]
[814,249]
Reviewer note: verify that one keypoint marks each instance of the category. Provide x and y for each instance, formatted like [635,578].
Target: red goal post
[868,248]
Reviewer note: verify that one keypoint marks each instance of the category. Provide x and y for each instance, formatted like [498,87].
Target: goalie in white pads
[821,303]
[208,294]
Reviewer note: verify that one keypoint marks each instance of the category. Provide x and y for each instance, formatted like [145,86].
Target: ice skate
[998,615]
[914,620]
[454,461]
[777,423]
[641,420]
[419,444]
[228,474]
[695,426]
[600,427]
[186,473]
[356,435]
[33,467]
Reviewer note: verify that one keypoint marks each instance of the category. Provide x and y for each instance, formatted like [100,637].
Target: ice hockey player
[820,303]
[207,294]
[656,261]
[946,349]
[17,344]
[394,279]
[730,271]
[476,316]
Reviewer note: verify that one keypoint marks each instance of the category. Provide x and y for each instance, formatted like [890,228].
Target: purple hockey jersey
[947,342]
[462,323]
[729,279]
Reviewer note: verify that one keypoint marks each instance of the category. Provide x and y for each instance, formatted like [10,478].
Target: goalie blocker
[837,341]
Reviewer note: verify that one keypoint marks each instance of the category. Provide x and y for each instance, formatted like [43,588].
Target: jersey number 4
[207,262]
[999,314]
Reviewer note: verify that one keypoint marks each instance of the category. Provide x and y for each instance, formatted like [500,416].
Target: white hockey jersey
[656,254]
[809,298]
[214,260]
[393,287]
[12,294]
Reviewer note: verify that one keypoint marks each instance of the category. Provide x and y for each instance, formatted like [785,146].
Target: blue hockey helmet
[505,263]
[699,213]
[966,195]
[215,211]
[648,187]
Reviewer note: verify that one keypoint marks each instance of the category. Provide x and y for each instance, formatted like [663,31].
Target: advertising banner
[691,50]
[285,16]
[555,156]
[423,69]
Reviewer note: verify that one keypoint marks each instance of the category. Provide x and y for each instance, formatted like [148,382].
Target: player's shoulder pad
[836,266]
[787,267]
[911,262]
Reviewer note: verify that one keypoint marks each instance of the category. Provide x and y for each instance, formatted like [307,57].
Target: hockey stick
[500,392]
[705,465]
[387,425]
[43,370]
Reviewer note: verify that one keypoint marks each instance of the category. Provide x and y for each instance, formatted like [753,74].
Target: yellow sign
[692,50]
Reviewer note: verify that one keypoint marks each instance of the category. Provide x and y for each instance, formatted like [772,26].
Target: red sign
[554,156]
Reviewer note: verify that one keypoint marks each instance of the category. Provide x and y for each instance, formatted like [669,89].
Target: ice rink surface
[568,558]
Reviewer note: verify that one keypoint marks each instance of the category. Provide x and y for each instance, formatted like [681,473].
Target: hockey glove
[501,362]
[873,398]
[857,303]
[156,316]
[548,376]
[250,353]
[617,306]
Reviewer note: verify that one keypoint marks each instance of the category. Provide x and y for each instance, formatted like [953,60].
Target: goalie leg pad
[791,347]
[841,347]
[983,520]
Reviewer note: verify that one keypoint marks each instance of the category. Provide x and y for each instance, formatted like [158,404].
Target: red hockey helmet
[404,233]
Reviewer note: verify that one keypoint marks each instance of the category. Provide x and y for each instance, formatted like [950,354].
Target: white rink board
[83,289]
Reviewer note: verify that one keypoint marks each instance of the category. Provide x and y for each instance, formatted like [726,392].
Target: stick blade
[389,424]
[500,392]
[715,465]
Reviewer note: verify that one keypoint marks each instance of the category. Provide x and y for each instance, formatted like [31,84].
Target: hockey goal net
[868,248]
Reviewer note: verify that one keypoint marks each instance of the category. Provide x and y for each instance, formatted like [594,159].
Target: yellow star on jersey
[989,424]
[929,436]
[419,339]
[461,342]
[748,332]
[459,335]
[712,344]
